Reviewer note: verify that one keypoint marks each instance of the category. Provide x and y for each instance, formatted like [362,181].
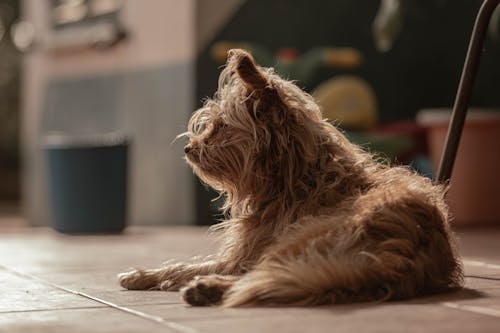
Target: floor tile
[356,318]
[145,248]
[78,320]
[183,312]
[20,294]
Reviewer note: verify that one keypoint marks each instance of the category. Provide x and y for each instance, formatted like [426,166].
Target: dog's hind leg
[321,266]
[389,253]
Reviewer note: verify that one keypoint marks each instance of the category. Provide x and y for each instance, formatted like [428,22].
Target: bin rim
[55,140]
[441,116]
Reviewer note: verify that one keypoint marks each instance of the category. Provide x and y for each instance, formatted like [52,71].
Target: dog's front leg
[169,277]
[208,289]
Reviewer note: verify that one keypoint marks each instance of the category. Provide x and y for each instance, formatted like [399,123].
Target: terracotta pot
[474,195]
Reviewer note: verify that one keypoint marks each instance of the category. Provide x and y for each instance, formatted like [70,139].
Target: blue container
[87,183]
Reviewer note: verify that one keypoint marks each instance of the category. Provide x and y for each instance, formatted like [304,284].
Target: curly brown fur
[310,217]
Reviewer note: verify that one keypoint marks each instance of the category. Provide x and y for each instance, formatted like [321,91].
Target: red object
[288,54]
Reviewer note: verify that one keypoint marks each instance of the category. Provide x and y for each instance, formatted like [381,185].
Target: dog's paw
[202,292]
[138,279]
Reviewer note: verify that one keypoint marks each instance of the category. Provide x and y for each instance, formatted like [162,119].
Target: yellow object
[343,57]
[349,101]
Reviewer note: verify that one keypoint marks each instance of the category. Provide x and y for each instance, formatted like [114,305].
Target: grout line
[472,308]
[482,277]
[173,325]
[54,309]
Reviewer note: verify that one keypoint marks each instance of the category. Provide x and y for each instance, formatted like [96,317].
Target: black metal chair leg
[465,90]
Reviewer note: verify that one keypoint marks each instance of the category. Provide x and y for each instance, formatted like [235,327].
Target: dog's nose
[187,149]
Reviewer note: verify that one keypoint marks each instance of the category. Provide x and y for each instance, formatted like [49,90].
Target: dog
[310,218]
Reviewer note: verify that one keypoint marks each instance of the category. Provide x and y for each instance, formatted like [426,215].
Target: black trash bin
[87,182]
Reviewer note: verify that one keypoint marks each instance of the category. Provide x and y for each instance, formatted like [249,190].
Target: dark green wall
[420,71]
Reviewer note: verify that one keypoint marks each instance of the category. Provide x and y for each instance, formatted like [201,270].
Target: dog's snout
[187,149]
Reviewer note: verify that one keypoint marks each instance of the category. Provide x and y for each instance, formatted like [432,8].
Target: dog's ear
[246,68]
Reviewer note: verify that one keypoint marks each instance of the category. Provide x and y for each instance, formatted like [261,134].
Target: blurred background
[128,73]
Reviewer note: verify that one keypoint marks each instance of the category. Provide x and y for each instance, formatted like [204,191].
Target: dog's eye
[202,127]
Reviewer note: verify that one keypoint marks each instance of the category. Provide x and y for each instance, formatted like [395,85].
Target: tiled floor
[55,283]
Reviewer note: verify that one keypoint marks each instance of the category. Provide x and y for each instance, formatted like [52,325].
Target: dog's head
[261,136]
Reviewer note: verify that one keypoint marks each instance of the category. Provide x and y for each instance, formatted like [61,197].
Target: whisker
[185,134]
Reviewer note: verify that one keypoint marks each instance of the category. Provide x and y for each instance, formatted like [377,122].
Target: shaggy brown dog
[311,218]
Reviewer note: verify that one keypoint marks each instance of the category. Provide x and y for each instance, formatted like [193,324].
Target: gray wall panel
[152,106]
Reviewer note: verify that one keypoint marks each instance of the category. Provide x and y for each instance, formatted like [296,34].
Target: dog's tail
[300,283]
